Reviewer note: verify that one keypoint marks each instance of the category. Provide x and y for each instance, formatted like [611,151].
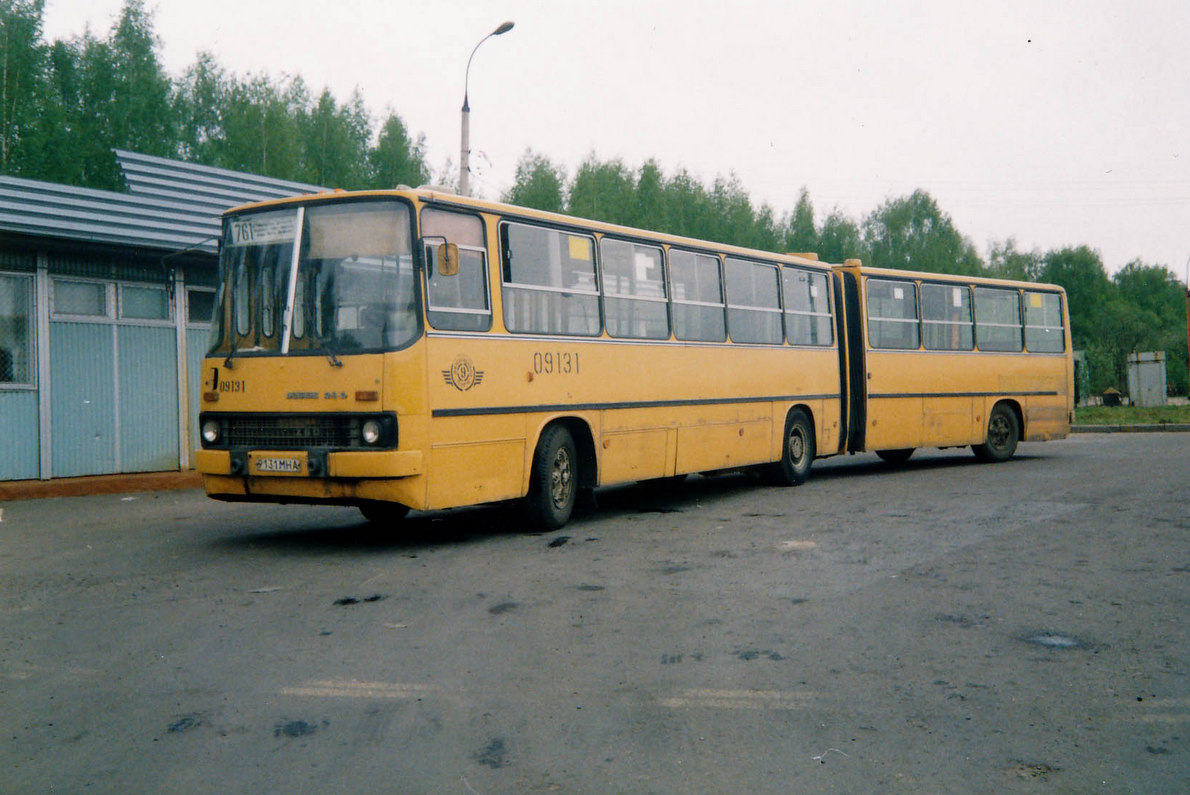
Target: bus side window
[753,302]
[892,314]
[946,317]
[807,307]
[550,285]
[633,290]
[459,302]
[997,319]
[696,290]
[1043,323]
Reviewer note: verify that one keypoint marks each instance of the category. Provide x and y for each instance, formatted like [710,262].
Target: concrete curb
[1164,427]
[98,484]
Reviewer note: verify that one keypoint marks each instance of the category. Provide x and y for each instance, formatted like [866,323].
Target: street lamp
[465,148]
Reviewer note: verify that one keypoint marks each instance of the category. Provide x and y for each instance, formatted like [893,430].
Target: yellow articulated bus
[416,349]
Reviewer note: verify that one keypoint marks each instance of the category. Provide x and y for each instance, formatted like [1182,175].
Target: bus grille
[280,432]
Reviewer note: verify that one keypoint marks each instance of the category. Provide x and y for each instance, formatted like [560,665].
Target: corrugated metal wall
[83,398]
[148,398]
[114,395]
[19,435]
[112,380]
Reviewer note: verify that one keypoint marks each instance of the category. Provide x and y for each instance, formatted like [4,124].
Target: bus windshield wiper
[329,351]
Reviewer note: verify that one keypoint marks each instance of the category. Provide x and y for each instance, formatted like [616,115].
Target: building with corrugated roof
[105,306]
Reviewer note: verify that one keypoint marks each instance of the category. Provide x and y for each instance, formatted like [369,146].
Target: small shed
[1146,378]
[106,301]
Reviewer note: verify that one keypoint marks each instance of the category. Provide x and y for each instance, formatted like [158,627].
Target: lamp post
[465,148]
[1188,325]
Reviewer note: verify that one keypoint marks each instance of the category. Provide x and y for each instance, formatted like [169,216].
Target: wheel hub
[797,447]
[561,478]
[998,432]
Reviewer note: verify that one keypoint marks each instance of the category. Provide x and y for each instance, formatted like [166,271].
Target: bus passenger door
[852,368]
[895,375]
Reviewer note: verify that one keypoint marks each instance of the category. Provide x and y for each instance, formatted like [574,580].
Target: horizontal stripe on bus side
[1052,393]
[641,404]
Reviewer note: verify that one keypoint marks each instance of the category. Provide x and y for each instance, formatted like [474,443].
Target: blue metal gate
[113,372]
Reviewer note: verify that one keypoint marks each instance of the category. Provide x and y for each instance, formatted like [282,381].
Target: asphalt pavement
[942,626]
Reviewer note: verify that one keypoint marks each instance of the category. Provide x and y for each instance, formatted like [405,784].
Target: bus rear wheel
[553,483]
[797,452]
[1004,431]
[896,456]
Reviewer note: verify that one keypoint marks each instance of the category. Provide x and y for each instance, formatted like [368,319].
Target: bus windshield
[327,279]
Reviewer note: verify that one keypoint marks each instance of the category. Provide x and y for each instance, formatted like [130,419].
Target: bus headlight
[211,431]
[372,432]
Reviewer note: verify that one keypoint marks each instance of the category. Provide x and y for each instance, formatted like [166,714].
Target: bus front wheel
[383,514]
[553,483]
[797,452]
[1004,431]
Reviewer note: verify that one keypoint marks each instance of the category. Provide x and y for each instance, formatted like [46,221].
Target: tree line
[1139,308]
[66,104]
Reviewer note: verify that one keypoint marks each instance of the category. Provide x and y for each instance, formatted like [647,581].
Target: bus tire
[797,452]
[553,482]
[383,514]
[896,456]
[1004,431]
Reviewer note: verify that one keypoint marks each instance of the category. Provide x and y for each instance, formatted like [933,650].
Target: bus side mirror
[448,259]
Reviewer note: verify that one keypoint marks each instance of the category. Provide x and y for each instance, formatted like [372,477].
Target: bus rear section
[945,361]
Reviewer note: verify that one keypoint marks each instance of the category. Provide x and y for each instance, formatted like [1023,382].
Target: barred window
[80,299]
[16,330]
[200,305]
[144,303]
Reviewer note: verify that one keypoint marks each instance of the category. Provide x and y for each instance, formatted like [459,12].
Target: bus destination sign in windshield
[261,230]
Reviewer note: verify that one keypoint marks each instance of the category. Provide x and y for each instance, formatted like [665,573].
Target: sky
[1050,122]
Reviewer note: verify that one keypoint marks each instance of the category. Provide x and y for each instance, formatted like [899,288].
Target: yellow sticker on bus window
[580,248]
[1035,300]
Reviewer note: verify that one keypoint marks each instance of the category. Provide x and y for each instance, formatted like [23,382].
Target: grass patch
[1131,415]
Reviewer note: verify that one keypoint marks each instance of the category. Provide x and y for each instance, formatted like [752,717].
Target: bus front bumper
[296,463]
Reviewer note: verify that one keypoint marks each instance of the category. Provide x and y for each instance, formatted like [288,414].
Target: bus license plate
[279,466]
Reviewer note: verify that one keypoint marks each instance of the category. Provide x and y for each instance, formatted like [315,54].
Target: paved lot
[944,626]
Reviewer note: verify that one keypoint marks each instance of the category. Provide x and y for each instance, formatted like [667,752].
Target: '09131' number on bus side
[555,363]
